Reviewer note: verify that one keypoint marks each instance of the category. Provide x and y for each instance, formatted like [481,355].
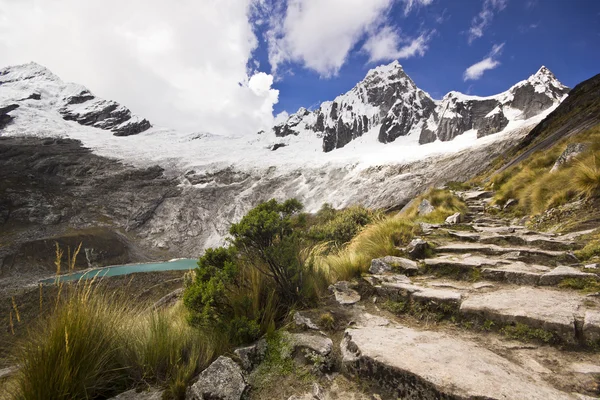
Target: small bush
[444,202]
[326,321]
[339,227]
[587,176]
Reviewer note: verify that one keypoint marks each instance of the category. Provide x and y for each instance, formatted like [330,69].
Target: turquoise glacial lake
[116,270]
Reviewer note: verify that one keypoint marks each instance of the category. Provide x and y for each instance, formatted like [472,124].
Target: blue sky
[564,35]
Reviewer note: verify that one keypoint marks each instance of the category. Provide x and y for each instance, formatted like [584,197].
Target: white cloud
[319,34]
[485,17]
[477,70]
[181,66]
[387,45]
[409,5]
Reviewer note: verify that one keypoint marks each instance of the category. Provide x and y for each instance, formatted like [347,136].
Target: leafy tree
[266,239]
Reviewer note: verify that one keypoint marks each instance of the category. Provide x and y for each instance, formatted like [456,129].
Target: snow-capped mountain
[210,181]
[389,100]
[33,85]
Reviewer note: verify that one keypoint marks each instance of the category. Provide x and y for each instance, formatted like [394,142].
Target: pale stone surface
[539,308]
[431,365]
[317,343]
[222,380]
[303,321]
[516,272]
[560,273]
[344,294]
[425,208]
[150,394]
[477,195]
[391,263]
[585,368]
[455,218]
[591,325]
[467,261]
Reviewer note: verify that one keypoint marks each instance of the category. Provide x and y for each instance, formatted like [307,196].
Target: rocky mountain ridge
[32,85]
[388,100]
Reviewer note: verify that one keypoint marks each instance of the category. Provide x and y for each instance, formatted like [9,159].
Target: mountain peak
[31,70]
[544,80]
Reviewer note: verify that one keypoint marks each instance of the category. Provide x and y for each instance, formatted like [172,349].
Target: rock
[222,380]
[561,273]
[277,146]
[518,273]
[477,195]
[585,368]
[572,151]
[425,208]
[525,253]
[592,266]
[455,218]
[320,344]
[251,356]
[550,310]
[5,118]
[304,322]
[417,249]
[482,285]
[149,394]
[510,203]
[432,365]
[391,263]
[591,326]
[344,294]
[492,123]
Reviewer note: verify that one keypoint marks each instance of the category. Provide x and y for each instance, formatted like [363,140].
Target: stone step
[400,287]
[476,195]
[541,241]
[416,364]
[520,253]
[561,313]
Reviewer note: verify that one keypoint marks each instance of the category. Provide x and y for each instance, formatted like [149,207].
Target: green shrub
[341,226]
[444,201]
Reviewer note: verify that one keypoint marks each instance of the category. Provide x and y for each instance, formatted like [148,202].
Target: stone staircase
[484,315]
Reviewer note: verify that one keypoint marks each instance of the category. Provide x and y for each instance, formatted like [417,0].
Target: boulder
[425,208]
[572,151]
[5,118]
[251,356]
[344,294]
[222,380]
[455,218]
[391,263]
[417,249]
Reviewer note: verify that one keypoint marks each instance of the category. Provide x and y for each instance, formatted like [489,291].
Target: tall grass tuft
[587,176]
[78,352]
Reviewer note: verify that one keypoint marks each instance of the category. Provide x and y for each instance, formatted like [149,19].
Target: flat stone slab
[432,365]
[550,310]
[477,195]
[492,249]
[467,261]
[344,295]
[518,273]
[400,288]
[558,274]
[392,263]
[150,394]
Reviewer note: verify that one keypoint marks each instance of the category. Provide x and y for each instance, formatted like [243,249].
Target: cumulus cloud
[319,34]
[484,18]
[181,66]
[387,45]
[477,70]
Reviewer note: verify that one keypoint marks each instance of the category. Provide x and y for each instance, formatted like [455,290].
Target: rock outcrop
[222,380]
[5,117]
